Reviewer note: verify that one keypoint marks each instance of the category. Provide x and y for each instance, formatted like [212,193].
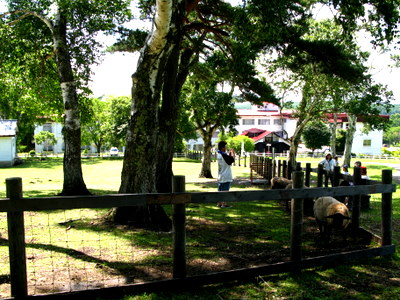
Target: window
[248,122]
[367,143]
[277,122]
[47,127]
[263,121]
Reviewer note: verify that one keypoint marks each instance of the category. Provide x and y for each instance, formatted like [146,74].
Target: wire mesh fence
[70,250]
[75,249]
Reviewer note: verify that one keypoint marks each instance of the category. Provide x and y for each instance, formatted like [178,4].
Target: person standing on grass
[225,162]
[328,164]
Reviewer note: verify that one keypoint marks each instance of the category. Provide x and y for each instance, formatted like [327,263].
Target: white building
[56,129]
[269,127]
[8,142]
[369,143]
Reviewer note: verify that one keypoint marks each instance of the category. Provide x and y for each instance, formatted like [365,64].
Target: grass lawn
[75,248]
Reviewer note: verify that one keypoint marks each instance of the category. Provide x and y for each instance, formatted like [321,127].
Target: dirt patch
[214,244]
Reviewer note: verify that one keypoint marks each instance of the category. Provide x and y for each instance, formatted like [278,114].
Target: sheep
[330,214]
[279,183]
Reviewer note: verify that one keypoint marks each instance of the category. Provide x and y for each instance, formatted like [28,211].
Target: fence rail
[15,206]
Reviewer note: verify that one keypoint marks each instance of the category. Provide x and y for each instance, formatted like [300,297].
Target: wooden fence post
[289,170]
[336,175]
[296,219]
[179,230]
[16,241]
[273,168]
[279,168]
[320,178]
[284,169]
[386,210]
[355,216]
[269,169]
[307,180]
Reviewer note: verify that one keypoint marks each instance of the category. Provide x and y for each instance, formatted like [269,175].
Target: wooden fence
[268,168]
[15,205]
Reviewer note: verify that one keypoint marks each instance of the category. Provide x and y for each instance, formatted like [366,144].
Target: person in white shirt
[225,161]
[328,164]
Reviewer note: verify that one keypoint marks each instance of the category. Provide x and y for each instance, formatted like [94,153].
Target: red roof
[342,117]
[262,134]
[252,130]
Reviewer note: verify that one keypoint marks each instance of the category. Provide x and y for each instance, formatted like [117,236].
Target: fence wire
[71,250]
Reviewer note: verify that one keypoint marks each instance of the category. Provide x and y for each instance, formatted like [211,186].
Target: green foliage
[224,136]
[394,153]
[206,107]
[180,145]
[236,143]
[340,140]
[107,125]
[46,138]
[316,134]
[129,40]
[392,136]
[395,119]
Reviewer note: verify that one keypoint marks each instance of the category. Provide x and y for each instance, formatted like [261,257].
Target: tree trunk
[206,164]
[333,135]
[294,145]
[351,129]
[151,135]
[73,179]
[295,140]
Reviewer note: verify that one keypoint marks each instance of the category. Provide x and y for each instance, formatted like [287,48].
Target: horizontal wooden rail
[120,200]
[15,205]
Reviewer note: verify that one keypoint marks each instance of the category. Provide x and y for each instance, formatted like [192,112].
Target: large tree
[210,111]
[366,101]
[183,29]
[315,135]
[183,32]
[67,30]
[327,86]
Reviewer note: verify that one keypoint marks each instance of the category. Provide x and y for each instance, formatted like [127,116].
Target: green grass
[83,250]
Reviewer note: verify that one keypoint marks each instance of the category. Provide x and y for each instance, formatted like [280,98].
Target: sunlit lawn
[44,178]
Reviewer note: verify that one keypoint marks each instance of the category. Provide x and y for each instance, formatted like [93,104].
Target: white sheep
[330,214]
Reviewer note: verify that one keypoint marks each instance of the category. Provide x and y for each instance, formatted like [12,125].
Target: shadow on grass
[218,239]
[372,279]
[128,270]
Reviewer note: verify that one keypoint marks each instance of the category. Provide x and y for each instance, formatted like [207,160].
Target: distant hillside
[395,109]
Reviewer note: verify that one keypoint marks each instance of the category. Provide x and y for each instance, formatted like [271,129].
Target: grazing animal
[330,214]
[279,183]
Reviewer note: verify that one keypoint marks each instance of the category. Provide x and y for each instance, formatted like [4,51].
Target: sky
[112,77]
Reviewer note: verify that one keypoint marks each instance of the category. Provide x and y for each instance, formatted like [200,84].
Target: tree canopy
[64,35]
[315,135]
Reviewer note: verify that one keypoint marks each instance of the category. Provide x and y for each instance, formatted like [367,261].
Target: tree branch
[27,13]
